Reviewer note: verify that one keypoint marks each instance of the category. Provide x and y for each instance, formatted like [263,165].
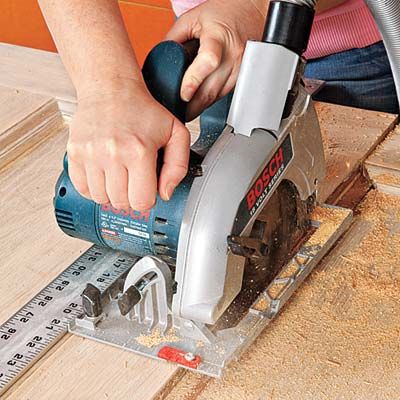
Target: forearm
[93,43]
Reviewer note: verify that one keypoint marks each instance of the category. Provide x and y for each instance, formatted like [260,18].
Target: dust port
[62,192]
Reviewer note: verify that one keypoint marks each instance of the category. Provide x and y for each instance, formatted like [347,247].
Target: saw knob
[91,301]
[129,300]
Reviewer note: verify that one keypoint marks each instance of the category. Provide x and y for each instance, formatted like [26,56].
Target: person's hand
[113,144]
[223,27]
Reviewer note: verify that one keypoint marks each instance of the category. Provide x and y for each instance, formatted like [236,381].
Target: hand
[223,29]
[113,144]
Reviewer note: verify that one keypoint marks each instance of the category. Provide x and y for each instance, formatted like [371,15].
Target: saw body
[234,220]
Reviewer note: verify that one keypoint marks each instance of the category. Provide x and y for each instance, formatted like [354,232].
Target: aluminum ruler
[43,321]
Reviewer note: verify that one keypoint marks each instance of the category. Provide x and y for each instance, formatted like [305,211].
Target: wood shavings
[339,336]
[289,271]
[388,179]
[262,305]
[329,218]
[155,338]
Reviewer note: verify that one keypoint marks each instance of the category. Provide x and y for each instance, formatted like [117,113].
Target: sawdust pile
[330,219]
[339,338]
[155,338]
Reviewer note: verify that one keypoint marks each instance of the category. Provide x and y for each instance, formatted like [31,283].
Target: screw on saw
[189,357]
[133,295]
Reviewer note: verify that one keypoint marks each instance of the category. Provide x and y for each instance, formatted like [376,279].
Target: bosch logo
[267,176]
[142,216]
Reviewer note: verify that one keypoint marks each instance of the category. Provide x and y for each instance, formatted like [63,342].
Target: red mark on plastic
[180,357]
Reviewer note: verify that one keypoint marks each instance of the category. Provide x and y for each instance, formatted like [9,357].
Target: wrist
[101,86]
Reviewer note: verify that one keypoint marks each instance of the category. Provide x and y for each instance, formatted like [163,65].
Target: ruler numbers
[37,326]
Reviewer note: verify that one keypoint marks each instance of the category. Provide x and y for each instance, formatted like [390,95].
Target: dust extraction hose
[387,17]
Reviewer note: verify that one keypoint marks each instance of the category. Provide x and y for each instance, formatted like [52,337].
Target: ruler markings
[43,321]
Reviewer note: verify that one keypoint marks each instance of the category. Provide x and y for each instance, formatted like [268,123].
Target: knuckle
[211,59]
[120,204]
[73,151]
[137,149]
[179,172]
[208,97]
[142,205]
[99,199]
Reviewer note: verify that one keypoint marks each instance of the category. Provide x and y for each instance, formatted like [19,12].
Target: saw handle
[163,72]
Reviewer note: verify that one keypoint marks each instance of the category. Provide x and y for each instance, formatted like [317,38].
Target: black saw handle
[163,73]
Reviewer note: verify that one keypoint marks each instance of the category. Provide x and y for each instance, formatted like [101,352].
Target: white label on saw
[136,233]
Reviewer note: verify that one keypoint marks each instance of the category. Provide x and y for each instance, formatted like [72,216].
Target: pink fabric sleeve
[347,26]
[181,6]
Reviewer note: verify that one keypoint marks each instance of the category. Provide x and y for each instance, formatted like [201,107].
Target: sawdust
[329,218]
[339,337]
[156,337]
[387,179]
[289,271]
[262,305]
[276,289]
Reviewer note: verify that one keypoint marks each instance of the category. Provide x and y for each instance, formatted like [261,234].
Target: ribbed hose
[387,17]
[309,3]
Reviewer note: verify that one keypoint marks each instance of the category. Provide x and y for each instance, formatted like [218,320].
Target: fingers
[180,31]
[117,186]
[142,185]
[213,88]
[176,160]
[206,62]
[96,183]
[77,175]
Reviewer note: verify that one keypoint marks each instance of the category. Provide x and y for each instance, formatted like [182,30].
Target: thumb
[181,31]
[176,160]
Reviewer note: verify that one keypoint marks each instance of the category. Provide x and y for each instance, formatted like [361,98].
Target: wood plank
[33,252]
[339,336]
[37,71]
[23,120]
[383,165]
[350,135]
[72,367]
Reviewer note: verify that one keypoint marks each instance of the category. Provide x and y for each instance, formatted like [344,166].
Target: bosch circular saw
[206,258]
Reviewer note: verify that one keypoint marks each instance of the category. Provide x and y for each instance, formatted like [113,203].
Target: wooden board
[25,120]
[339,336]
[350,135]
[37,71]
[384,164]
[33,252]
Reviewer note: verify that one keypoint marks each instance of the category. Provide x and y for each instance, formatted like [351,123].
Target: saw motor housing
[272,136]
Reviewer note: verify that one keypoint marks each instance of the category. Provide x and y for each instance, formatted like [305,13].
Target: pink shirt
[347,26]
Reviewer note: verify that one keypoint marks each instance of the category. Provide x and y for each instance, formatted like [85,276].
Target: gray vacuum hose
[387,17]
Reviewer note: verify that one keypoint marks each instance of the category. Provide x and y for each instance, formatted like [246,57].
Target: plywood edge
[31,131]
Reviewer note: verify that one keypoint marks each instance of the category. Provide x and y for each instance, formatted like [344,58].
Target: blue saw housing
[155,232]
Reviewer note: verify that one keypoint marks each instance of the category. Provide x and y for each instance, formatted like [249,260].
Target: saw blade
[278,231]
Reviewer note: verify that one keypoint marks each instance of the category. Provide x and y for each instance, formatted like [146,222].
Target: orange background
[147,22]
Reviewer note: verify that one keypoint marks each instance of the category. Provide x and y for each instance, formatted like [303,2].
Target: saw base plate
[210,359]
